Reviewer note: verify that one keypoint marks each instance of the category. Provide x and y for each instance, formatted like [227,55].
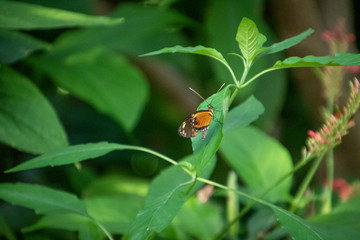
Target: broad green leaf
[43,200]
[205,149]
[167,194]
[25,16]
[102,78]
[76,153]
[123,38]
[5,230]
[288,43]
[259,160]
[69,222]
[201,50]
[15,45]
[340,59]
[243,114]
[248,38]
[198,220]
[27,120]
[342,223]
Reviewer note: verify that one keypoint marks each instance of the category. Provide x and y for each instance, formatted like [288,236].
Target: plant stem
[305,183]
[327,201]
[256,76]
[247,66]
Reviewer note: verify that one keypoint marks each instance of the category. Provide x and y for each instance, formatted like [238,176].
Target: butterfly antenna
[220,88]
[197,93]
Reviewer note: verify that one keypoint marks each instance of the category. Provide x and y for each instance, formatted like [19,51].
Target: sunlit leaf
[340,59]
[249,39]
[287,43]
[201,50]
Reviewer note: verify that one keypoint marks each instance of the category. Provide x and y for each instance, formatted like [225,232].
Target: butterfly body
[197,122]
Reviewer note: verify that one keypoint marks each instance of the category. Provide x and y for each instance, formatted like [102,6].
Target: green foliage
[259,160]
[96,67]
[26,114]
[24,16]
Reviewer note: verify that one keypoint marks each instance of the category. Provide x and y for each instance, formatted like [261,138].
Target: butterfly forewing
[196,122]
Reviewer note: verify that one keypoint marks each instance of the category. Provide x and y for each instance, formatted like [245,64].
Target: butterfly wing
[196,122]
[186,129]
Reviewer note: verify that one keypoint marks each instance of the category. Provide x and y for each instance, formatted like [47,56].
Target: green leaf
[69,222]
[342,222]
[249,39]
[102,78]
[259,160]
[205,149]
[340,59]
[288,43]
[73,154]
[27,120]
[243,114]
[15,45]
[201,50]
[167,194]
[42,199]
[199,220]
[5,230]
[25,16]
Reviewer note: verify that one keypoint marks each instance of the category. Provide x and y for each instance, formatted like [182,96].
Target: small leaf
[25,16]
[288,43]
[201,50]
[340,59]
[27,120]
[16,45]
[205,149]
[120,88]
[249,39]
[259,160]
[42,199]
[243,114]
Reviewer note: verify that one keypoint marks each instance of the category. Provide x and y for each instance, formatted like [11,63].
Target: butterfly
[198,121]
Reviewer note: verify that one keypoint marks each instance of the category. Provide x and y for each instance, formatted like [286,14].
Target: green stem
[230,70]
[327,202]
[245,73]
[242,85]
[305,183]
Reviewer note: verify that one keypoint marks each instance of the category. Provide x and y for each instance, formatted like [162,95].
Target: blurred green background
[101,90]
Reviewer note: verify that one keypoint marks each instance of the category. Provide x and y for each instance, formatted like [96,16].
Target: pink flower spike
[351,38]
[314,135]
[327,36]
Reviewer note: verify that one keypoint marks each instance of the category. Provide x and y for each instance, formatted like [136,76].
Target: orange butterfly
[197,122]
